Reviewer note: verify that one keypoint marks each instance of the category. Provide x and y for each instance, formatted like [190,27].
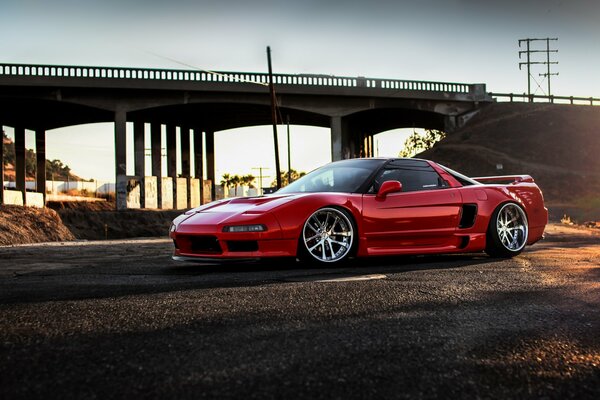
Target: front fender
[292,215]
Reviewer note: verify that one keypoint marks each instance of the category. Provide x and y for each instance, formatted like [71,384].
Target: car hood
[242,209]
[259,204]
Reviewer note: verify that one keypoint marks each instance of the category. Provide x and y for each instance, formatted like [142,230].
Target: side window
[413,177]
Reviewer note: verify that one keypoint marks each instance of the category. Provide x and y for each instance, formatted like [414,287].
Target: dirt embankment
[65,221]
[99,220]
[19,225]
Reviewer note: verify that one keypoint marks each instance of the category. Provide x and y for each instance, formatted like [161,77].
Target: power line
[205,70]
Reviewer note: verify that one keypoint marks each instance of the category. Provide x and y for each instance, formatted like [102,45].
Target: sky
[472,41]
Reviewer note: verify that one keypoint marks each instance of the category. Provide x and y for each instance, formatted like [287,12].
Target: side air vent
[467,218]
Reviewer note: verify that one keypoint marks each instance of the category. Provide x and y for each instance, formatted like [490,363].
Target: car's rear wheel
[508,231]
[328,236]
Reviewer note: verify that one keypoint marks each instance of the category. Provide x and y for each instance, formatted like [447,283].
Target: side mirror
[388,187]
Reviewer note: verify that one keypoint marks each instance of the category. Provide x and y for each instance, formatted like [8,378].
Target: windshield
[346,176]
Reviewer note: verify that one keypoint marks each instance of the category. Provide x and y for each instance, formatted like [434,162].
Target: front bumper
[223,247]
[212,260]
[202,237]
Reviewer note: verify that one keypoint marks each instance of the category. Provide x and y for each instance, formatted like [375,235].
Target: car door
[424,215]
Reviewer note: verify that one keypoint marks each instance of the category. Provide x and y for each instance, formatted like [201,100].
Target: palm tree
[235,181]
[226,181]
[284,177]
[247,180]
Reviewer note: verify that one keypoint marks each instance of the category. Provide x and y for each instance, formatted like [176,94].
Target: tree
[229,181]
[235,181]
[226,181]
[417,143]
[284,177]
[55,169]
[9,150]
[247,180]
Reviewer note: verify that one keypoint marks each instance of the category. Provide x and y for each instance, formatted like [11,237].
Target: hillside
[559,145]
[54,168]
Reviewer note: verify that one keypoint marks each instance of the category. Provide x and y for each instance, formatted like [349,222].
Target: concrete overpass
[43,97]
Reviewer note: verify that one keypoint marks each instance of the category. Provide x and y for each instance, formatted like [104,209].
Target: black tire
[328,237]
[507,232]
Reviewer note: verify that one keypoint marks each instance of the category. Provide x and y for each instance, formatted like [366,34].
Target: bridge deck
[87,75]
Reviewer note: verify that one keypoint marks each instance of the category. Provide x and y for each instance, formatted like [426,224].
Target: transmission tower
[531,59]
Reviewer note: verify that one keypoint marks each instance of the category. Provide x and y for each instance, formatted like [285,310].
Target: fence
[57,187]
[512,97]
[82,72]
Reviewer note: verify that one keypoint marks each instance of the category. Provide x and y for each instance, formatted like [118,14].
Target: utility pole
[548,74]
[274,119]
[528,52]
[260,177]
[289,151]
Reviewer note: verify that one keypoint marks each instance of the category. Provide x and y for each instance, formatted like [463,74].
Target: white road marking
[351,278]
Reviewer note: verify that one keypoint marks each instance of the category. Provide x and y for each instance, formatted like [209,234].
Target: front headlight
[245,228]
[173,228]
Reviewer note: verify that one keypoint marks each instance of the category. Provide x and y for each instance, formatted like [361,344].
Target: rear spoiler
[512,179]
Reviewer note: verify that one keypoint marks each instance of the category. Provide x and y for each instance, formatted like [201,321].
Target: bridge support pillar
[367,145]
[40,151]
[156,155]
[139,149]
[20,162]
[139,158]
[120,155]
[342,146]
[199,161]
[185,161]
[172,159]
[171,151]
[210,161]
[1,164]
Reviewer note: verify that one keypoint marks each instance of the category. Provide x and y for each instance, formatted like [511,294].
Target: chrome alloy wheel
[511,226]
[328,235]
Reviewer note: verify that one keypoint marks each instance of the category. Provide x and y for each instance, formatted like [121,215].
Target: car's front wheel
[508,231]
[328,236]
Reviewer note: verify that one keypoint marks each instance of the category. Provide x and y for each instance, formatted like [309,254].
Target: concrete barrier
[150,192]
[181,193]
[13,197]
[194,192]
[167,193]
[128,192]
[207,191]
[35,199]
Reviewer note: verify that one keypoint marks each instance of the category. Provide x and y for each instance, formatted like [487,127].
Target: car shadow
[173,277]
[367,265]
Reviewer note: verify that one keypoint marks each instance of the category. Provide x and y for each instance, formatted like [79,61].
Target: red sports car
[368,207]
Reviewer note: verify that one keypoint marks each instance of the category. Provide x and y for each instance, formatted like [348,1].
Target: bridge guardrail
[525,98]
[61,71]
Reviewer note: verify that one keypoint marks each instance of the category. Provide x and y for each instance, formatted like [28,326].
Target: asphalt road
[119,319]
